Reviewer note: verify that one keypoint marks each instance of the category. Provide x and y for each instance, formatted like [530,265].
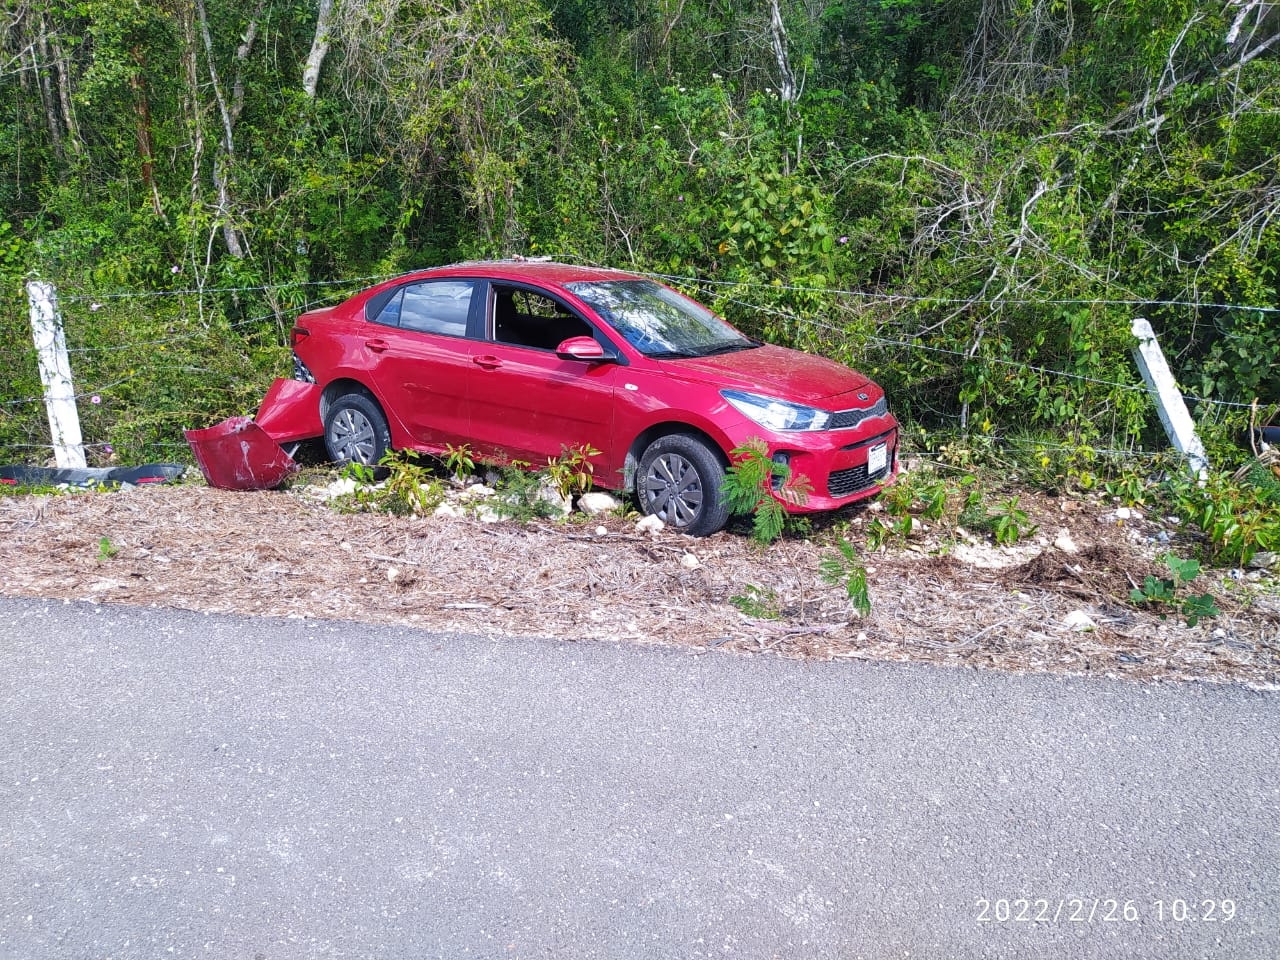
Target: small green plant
[520,495]
[878,533]
[572,471]
[1130,488]
[844,568]
[1264,478]
[459,461]
[760,603]
[917,497]
[919,493]
[1162,593]
[758,485]
[106,549]
[1237,518]
[1010,523]
[973,513]
[408,487]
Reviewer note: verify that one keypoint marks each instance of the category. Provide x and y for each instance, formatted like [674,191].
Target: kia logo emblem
[862,396]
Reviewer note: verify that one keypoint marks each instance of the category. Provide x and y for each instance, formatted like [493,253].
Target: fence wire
[98,300]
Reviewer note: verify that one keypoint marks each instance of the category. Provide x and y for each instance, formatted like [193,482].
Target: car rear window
[436,306]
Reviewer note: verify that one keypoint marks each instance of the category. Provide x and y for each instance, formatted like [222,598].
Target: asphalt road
[182,785]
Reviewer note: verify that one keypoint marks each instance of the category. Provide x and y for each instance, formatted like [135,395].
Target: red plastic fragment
[237,454]
[291,411]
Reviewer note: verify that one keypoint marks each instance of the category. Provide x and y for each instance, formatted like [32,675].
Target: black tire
[355,430]
[679,483]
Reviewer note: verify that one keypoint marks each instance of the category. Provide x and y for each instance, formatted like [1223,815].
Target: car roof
[546,271]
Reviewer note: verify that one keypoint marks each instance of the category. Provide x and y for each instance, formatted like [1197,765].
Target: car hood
[776,371]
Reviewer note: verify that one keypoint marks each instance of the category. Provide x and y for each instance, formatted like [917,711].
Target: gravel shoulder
[962,602]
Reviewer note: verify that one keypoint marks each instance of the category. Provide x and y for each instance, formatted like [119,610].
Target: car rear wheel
[679,483]
[355,430]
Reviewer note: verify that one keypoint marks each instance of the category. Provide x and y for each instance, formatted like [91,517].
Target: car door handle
[488,361]
[377,346]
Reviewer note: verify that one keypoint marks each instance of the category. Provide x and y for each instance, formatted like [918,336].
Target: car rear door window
[438,306]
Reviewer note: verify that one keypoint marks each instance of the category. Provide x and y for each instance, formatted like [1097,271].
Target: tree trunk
[142,128]
[64,95]
[787,88]
[192,69]
[222,164]
[40,58]
[319,49]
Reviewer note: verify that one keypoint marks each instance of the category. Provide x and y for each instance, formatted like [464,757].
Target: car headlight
[776,414]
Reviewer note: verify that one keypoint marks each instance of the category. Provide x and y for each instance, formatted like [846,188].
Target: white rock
[477,491]
[549,493]
[602,531]
[689,561]
[649,524]
[1123,513]
[596,502]
[450,510]
[1065,543]
[392,574]
[1079,621]
[338,488]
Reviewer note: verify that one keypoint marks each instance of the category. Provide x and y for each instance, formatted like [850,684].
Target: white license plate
[877,459]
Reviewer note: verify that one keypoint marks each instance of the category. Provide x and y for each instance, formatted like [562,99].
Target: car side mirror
[582,348]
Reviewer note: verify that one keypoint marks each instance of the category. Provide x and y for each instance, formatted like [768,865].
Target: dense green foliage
[970,201]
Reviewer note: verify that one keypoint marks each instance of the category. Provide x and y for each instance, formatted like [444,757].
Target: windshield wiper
[672,355]
[733,347]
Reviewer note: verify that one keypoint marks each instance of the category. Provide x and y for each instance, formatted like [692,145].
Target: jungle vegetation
[971,200]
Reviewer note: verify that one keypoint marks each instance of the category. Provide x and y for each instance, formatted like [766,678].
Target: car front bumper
[838,467]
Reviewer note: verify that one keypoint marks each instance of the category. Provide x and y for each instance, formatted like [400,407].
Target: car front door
[420,358]
[526,402]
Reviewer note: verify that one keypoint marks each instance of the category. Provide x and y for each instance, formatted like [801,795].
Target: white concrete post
[55,374]
[1169,403]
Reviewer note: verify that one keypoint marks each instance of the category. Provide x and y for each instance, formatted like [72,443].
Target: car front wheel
[679,483]
[355,430]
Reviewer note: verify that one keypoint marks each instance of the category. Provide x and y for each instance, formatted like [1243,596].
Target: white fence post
[1164,390]
[55,374]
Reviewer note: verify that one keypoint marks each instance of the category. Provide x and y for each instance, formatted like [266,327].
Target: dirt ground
[958,601]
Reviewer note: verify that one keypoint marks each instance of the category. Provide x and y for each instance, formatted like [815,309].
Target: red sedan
[519,360]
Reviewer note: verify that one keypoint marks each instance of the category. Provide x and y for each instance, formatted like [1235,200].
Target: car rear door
[419,357]
[527,403]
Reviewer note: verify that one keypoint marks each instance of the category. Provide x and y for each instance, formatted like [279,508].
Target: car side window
[527,319]
[437,306]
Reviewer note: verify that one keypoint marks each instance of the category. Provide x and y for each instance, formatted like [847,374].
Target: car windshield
[659,322]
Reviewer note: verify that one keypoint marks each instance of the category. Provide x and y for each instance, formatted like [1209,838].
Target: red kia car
[522,359]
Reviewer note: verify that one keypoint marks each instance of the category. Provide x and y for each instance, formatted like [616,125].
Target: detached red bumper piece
[237,454]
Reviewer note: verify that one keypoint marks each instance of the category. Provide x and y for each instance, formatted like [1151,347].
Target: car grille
[848,419]
[841,483]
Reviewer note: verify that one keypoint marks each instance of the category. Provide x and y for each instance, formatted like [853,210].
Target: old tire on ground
[679,483]
[355,430]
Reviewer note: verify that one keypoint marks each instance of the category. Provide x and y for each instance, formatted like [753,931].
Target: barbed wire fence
[311,294]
